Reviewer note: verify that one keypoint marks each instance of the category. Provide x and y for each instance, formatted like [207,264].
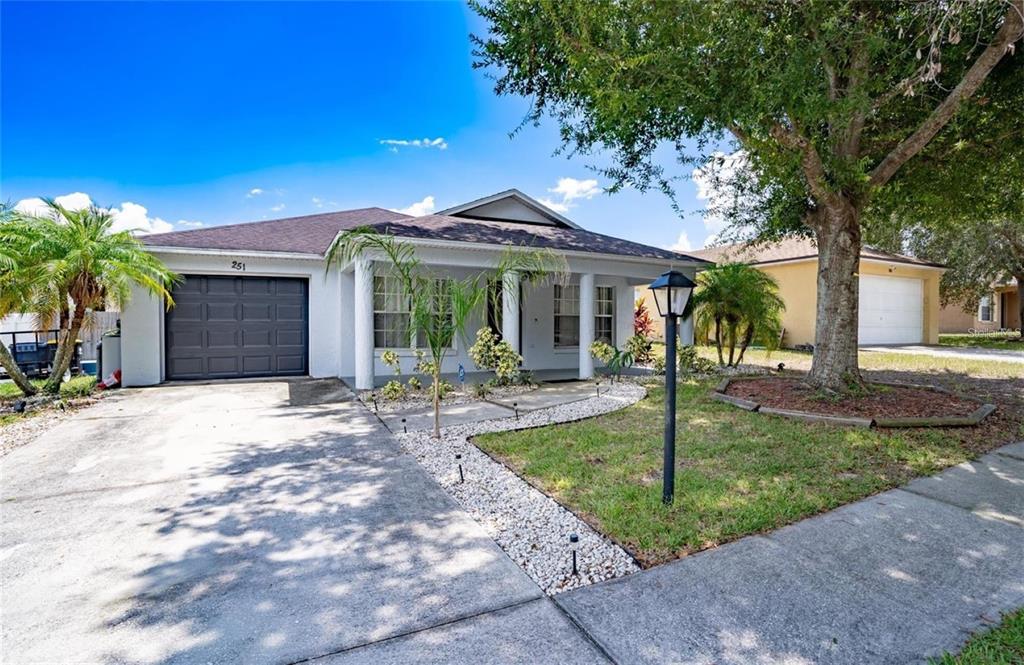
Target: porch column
[363,319]
[510,309]
[686,331]
[586,324]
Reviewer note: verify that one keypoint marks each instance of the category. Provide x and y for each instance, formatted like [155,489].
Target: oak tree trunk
[837,230]
[13,371]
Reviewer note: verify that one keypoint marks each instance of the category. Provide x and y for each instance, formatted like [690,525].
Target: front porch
[552,325]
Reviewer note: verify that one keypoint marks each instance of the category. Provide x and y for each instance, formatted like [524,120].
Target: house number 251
[237,265]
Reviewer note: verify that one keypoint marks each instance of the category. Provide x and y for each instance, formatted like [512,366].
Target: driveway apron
[239,522]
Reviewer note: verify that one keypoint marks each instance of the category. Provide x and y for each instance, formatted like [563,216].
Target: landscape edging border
[971,420]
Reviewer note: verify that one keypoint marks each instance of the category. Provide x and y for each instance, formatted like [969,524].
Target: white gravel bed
[29,428]
[531,527]
[424,398]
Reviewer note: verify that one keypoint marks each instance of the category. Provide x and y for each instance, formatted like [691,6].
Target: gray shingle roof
[311,234]
[314,233]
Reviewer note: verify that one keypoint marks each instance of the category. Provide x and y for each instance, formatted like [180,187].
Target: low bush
[79,386]
[393,390]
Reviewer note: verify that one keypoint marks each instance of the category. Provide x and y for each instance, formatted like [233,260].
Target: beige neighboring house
[899,295]
[998,310]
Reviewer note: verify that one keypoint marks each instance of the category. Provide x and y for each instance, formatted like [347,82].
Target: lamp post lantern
[671,293]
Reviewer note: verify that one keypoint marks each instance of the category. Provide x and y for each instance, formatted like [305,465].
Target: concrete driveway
[266,522]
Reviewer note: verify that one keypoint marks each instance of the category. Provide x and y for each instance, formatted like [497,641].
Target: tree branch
[1008,33]
[810,160]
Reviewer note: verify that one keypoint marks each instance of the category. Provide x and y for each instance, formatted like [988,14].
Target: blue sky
[187,114]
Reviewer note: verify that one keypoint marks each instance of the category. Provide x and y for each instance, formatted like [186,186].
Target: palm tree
[18,282]
[440,306]
[741,304]
[82,265]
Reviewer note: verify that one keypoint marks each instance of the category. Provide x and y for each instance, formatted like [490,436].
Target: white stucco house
[258,299]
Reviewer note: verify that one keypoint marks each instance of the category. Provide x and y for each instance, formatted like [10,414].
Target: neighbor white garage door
[891,310]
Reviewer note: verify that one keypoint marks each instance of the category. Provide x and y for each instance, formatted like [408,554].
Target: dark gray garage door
[223,327]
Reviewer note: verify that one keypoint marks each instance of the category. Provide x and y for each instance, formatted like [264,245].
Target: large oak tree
[829,100]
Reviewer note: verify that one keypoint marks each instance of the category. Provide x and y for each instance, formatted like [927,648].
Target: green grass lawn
[1005,341]
[78,386]
[875,360]
[739,473]
[1003,645]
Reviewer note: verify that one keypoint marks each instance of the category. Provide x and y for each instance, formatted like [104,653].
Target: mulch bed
[881,401]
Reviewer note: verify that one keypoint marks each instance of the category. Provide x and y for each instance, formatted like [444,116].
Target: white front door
[891,310]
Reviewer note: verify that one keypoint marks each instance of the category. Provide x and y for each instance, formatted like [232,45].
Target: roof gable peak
[510,205]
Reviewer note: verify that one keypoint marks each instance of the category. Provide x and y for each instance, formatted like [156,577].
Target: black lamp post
[671,293]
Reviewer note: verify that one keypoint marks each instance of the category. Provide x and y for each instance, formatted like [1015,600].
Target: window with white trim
[985,309]
[392,313]
[604,315]
[391,318]
[567,315]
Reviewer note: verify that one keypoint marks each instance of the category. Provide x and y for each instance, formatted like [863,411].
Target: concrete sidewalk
[897,578]
[960,353]
[547,395]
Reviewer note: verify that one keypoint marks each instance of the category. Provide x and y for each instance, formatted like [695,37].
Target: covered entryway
[891,310]
[230,327]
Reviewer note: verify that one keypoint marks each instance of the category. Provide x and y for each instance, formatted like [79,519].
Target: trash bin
[109,352]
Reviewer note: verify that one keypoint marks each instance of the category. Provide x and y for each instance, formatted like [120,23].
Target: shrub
[444,388]
[414,383]
[602,351]
[691,363]
[79,386]
[391,359]
[643,324]
[393,390]
[640,347]
[658,365]
[488,353]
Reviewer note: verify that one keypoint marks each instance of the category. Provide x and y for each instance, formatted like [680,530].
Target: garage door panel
[255,286]
[287,338]
[891,310]
[290,313]
[257,365]
[185,368]
[225,327]
[220,339]
[257,311]
[291,288]
[289,364]
[253,338]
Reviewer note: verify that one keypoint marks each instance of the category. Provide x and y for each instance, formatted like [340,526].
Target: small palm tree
[82,265]
[741,305]
[440,306]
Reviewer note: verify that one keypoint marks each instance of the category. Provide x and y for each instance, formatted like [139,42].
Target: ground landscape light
[671,294]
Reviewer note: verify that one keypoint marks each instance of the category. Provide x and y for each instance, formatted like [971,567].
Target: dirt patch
[877,402]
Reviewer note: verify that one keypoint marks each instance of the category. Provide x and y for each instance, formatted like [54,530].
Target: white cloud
[278,208]
[394,144]
[318,202]
[254,192]
[129,217]
[418,209]
[571,189]
[185,224]
[554,205]
[682,243]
